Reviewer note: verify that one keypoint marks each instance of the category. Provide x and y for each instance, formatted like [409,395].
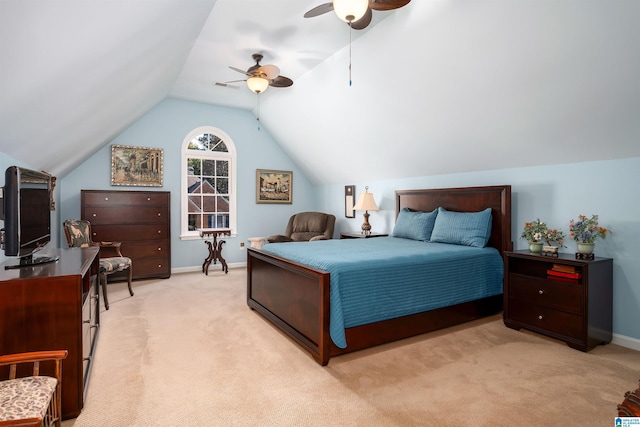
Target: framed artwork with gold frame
[136,166]
[273,186]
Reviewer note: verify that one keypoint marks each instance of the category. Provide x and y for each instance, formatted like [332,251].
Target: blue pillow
[414,225]
[462,228]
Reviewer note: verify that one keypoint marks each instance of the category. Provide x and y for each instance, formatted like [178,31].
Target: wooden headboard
[468,199]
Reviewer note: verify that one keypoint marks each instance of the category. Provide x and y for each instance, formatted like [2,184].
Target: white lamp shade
[366,203]
[350,10]
[257,84]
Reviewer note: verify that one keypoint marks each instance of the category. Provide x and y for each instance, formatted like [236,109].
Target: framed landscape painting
[273,186]
[136,166]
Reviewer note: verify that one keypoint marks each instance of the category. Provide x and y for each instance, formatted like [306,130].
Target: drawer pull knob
[540,317]
[95,215]
[148,199]
[159,249]
[159,214]
[159,265]
[541,292]
[106,198]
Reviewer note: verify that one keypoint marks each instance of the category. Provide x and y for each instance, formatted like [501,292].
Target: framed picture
[273,186]
[136,166]
[349,201]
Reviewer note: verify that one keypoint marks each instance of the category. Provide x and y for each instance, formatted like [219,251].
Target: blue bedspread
[386,277]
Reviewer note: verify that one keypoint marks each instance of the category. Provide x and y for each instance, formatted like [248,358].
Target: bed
[296,296]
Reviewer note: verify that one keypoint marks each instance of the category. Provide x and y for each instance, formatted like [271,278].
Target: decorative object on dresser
[585,231]
[274,186]
[366,203]
[541,238]
[55,306]
[561,297]
[78,234]
[32,400]
[140,220]
[630,406]
[136,166]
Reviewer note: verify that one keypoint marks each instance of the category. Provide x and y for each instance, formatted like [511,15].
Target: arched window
[208,182]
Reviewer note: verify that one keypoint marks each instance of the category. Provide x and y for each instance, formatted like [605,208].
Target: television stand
[30,261]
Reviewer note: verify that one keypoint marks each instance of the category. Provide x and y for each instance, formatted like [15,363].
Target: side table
[215,248]
[359,235]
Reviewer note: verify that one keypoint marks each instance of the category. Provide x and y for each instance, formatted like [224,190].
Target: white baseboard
[624,341]
[211,267]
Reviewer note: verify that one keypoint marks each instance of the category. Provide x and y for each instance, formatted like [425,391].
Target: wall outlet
[241,245]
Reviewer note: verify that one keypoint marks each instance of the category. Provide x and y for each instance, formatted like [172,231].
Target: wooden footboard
[292,296]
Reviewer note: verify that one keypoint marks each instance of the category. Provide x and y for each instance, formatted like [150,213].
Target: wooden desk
[215,248]
[54,306]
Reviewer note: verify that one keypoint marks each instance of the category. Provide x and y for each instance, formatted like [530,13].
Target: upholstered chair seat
[306,226]
[78,233]
[31,400]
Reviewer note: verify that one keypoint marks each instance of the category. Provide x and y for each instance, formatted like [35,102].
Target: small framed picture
[136,166]
[273,186]
[349,201]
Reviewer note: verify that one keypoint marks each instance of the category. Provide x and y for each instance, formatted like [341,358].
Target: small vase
[535,247]
[586,248]
[550,249]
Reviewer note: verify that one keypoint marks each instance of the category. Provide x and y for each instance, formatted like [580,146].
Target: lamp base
[366,227]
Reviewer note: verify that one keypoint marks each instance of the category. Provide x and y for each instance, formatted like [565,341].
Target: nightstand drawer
[546,319]
[547,292]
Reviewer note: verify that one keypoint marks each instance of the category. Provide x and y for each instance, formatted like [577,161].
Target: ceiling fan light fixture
[257,84]
[350,10]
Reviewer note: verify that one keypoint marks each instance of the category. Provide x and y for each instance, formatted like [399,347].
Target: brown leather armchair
[306,226]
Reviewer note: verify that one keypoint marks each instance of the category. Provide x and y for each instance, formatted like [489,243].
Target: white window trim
[185,233]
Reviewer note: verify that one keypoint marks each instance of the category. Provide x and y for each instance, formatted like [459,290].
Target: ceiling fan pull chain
[350,30]
[258,109]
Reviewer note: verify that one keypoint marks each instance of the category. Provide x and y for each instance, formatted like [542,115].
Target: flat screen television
[26,211]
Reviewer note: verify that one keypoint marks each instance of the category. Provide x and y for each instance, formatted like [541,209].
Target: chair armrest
[278,238]
[33,356]
[112,245]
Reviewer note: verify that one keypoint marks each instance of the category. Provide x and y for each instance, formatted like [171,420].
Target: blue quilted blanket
[386,277]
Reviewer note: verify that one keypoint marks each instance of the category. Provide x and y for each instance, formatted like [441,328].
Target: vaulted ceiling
[439,86]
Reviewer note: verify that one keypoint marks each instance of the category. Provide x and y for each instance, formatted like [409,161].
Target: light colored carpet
[187,351]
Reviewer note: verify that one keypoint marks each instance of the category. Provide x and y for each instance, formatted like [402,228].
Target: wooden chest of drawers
[138,219]
[577,311]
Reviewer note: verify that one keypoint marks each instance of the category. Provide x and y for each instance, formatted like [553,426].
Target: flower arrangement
[554,235]
[533,231]
[538,232]
[586,230]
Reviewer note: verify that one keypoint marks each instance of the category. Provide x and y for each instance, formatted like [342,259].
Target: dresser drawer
[546,319]
[548,292]
[122,233]
[101,198]
[126,214]
[152,267]
[146,249]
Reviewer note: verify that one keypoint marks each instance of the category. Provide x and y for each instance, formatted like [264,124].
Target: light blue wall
[556,194]
[165,127]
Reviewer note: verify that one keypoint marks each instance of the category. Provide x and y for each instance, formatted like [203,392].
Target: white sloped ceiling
[439,86]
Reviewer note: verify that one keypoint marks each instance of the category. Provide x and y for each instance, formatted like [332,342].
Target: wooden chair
[78,233]
[31,400]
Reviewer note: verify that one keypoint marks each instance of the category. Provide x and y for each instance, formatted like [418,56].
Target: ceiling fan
[260,77]
[356,13]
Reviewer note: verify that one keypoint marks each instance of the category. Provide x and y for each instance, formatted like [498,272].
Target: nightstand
[576,310]
[360,235]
